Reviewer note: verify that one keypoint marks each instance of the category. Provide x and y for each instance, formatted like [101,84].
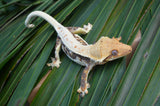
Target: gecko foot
[83,91]
[55,63]
[87,27]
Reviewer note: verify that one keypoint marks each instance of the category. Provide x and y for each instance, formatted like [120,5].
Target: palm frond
[24,53]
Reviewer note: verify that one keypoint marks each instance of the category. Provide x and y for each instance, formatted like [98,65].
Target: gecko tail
[43,15]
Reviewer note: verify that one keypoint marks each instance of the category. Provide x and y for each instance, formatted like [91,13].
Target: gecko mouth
[111,57]
[107,58]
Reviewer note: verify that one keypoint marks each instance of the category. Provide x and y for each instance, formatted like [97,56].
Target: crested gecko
[78,50]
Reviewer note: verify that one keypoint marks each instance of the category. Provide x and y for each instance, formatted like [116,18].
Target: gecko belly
[76,57]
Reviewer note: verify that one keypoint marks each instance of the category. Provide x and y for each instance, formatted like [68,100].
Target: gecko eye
[114,52]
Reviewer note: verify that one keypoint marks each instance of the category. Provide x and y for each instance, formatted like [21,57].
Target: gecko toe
[54,63]
[88,85]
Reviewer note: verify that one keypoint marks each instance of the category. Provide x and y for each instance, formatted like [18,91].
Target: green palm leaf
[24,53]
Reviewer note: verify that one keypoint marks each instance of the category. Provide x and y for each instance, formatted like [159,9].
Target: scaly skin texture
[78,50]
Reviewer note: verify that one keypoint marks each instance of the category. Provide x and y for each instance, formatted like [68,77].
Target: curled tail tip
[30,25]
[27,24]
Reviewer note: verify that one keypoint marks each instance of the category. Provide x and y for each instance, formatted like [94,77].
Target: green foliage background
[24,53]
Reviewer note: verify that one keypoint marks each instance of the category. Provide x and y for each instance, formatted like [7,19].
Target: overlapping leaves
[25,52]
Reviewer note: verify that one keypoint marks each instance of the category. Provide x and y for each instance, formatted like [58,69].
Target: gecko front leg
[79,30]
[56,61]
[84,84]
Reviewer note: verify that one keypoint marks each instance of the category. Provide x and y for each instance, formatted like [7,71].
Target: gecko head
[114,48]
[110,49]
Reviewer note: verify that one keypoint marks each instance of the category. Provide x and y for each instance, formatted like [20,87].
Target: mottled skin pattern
[78,50]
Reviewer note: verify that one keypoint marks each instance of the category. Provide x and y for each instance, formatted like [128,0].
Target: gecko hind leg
[79,30]
[56,61]
[84,84]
